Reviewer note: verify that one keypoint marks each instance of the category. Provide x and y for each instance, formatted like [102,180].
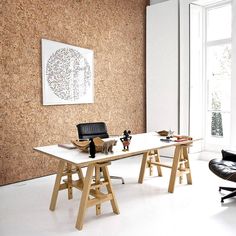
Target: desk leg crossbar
[91,190]
[180,165]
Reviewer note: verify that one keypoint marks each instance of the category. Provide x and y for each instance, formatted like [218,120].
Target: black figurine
[126,140]
[92,148]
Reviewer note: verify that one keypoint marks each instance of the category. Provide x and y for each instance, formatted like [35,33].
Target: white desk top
[140,143]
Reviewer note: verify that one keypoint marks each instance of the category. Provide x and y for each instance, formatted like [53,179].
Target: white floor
[145,209]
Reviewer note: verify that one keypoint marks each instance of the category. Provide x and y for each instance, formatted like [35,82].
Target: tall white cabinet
[162,68]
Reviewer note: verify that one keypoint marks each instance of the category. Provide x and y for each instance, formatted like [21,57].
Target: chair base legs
[232,194]
[114,177]
[117,177]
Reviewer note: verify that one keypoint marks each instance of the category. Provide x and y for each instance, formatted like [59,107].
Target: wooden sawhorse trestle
[91,189]
[180,165]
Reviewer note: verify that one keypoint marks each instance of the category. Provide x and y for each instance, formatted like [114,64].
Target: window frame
[206,45]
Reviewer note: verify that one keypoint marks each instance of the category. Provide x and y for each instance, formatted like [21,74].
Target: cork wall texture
[114,30]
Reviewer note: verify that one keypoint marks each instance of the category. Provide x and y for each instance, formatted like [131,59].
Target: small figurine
[126,140]
[170,134]
[108,146]
[92,148]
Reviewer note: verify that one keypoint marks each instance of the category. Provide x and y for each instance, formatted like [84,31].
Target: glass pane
[219,62]
[216,124]
[218,76]
[219,127]
[219,95]
[219,23]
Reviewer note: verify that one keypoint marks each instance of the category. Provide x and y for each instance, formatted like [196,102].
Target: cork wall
[113,29]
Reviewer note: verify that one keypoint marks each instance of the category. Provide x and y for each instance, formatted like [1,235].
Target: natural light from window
[210,73]
[218,74]
[219,23]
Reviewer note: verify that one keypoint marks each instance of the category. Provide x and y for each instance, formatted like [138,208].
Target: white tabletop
[140,143]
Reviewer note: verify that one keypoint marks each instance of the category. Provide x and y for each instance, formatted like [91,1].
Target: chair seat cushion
[224,169]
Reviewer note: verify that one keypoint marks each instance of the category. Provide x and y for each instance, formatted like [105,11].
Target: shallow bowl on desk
[163,133]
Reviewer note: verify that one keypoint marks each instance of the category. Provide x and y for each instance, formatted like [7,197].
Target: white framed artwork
[67,74]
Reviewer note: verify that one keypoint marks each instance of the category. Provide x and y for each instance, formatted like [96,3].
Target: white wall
[162,66]
[184,67]
[184,64]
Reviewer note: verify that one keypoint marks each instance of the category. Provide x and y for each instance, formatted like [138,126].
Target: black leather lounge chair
[225,168]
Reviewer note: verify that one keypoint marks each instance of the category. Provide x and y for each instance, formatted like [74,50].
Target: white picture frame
[67,74]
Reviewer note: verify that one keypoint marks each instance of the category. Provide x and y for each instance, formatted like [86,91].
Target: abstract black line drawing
[67,74]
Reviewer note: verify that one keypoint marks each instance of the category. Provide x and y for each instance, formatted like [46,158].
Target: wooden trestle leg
[97,182]
[157,159]
[107,178]
[188,174]
[86,186]
[57,185]
[84,198]
[180,165]
[174,168]
[69,181]
[142,169]
[94,190]
[154,154]
[149,163]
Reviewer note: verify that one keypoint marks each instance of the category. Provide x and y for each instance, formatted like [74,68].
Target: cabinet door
[162,78]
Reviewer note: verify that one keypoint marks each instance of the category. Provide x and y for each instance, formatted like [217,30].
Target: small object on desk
[108,146]
[170,133]
[166,140]
[67,145]
[182,138]
[92,148]
[126,140]
[163,133]
[82,145]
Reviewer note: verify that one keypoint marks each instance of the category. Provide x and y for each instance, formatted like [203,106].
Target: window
[218,22]
[217,74]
